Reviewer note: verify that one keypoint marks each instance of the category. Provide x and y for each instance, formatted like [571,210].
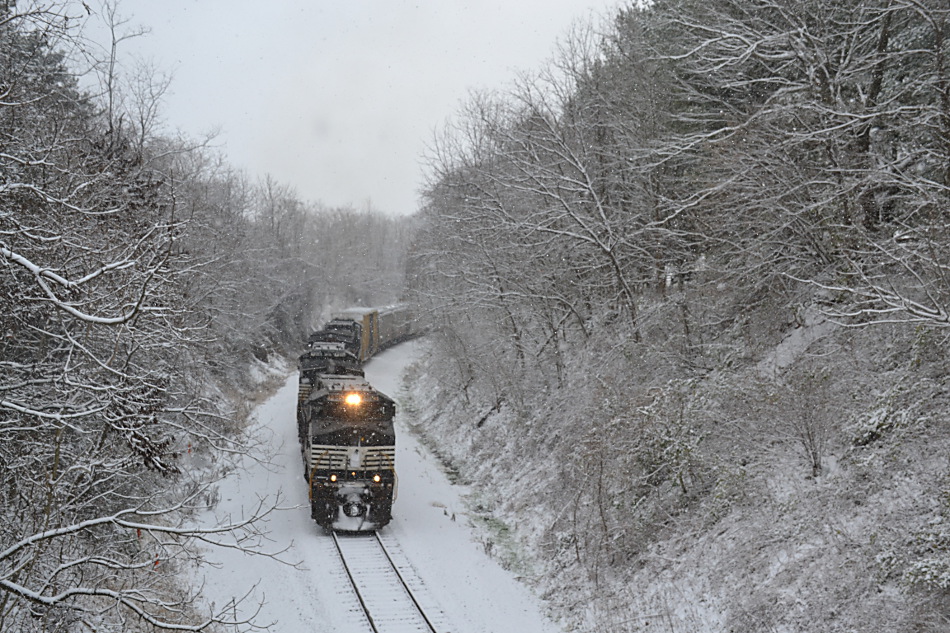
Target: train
[367,331]
[345,425]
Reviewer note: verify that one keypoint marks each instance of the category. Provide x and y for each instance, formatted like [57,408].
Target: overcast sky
[339,98]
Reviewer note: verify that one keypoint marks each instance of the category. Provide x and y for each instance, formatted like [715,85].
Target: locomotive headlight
[353,399]
[333,478]
[377,478]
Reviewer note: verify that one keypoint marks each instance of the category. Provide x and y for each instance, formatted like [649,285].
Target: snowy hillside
[825,511]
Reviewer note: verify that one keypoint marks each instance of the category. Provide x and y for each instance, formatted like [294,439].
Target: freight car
[348,446]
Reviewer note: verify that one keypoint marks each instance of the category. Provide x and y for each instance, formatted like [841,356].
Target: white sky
[339,98]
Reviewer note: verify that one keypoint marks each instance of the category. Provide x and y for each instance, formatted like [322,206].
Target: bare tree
[97,395]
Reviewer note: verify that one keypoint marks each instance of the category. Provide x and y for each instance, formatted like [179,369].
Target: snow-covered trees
[137,274]
[629,257]
[820,130]
[97,398]
[694,144]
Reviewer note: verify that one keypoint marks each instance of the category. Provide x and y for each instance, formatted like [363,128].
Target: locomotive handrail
[313,469]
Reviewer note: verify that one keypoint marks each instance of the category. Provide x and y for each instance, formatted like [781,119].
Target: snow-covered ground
[470,592]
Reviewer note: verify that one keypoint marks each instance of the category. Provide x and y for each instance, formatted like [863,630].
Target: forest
[685,290]
[689,288]
[141,278]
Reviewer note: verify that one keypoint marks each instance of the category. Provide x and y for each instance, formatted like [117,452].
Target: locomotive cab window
[341,423]
[364,412]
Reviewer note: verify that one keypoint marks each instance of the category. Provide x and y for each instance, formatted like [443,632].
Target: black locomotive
[349,452]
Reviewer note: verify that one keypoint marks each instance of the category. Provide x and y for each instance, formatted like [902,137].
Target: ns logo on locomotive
[345,426]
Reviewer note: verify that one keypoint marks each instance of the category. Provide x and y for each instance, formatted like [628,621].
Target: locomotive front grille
[323,457]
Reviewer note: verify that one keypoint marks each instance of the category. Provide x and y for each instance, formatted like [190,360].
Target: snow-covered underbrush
[799,483]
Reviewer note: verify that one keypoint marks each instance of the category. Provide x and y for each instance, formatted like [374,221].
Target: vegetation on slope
[139,278]
[688,300]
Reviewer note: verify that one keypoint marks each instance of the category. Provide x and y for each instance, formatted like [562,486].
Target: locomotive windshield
[362,413]
[336,422]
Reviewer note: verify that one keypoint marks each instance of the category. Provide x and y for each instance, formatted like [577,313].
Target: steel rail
[402,581]
[356,589]
[363,595]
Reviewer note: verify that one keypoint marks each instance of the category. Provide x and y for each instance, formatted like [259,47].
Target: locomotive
[349,452]
[345,426]
[367,331]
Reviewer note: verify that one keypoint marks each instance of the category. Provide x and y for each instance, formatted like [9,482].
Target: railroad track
[383,592]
